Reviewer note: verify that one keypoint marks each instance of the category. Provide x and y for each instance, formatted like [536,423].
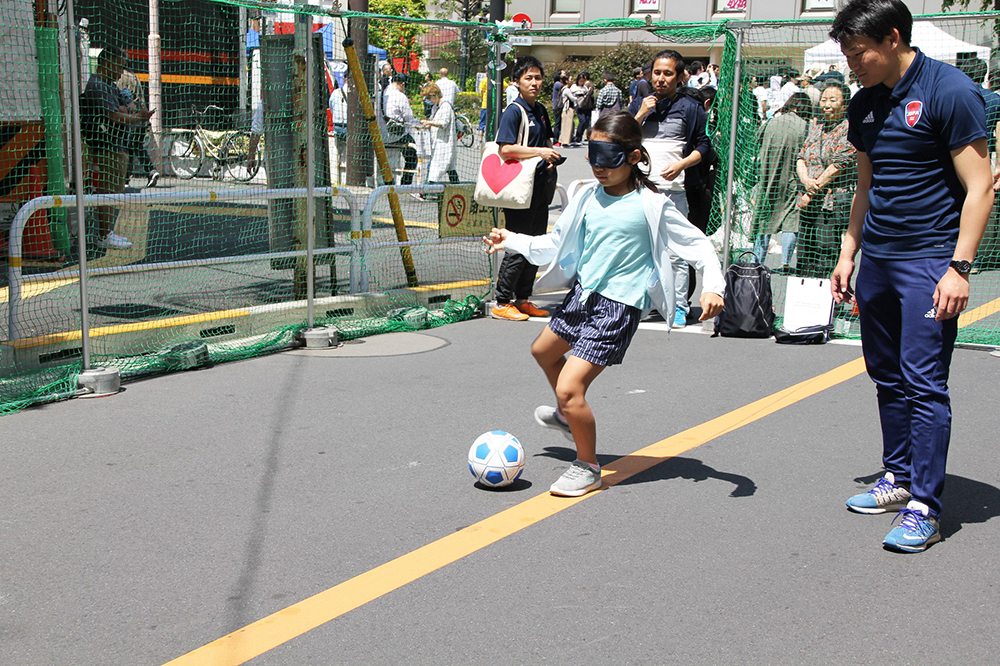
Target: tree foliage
[399,39]
[620,60]
[984,5]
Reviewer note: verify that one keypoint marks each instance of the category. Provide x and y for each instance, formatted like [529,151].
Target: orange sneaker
[532,310]
[507,311]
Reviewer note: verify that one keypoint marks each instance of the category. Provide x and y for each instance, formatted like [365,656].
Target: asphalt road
[139,528]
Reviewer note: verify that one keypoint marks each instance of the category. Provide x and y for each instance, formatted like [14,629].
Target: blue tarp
[328,36]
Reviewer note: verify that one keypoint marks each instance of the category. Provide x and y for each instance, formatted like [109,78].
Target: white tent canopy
[932,40]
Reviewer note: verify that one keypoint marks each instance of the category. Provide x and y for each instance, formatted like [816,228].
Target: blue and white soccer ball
[496,459]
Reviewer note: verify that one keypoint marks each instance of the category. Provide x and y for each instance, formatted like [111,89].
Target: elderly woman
[442,127]
[776,212]
[826,168]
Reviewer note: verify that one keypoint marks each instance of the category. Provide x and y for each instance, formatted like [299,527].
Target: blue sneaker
[884,496]
[680,318]
[915,531]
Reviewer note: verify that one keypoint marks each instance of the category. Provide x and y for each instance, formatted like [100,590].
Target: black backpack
[747,311]
[587,101]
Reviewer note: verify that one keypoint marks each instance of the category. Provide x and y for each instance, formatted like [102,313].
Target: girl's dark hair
[523,64]
[874,19]
[622,128]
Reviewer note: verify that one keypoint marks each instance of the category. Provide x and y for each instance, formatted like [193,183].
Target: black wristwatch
[963,267]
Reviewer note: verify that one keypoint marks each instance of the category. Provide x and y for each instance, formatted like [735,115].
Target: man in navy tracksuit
[923,198]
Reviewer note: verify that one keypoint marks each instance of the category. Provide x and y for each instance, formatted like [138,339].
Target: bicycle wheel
[186,155]
[235,154]
[463,132]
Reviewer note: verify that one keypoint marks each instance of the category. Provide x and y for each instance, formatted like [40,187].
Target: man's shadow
[670,468]
[965,501]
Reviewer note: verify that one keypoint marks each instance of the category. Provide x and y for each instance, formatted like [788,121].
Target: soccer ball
[496,459]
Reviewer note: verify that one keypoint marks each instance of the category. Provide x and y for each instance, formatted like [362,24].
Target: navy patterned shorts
[599,330]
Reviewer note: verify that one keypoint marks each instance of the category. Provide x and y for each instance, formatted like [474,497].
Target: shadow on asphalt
[966,501]
[669,468]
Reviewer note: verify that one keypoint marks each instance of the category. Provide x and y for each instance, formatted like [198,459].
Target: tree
[984,5]
[399,39]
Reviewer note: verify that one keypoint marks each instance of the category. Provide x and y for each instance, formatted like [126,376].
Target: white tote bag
[808,302]
[506,183]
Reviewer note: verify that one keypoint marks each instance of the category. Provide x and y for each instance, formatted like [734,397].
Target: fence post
[81,236]
[739,27]
[305,24]
[97,381]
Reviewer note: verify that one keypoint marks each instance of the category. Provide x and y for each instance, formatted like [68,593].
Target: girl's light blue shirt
[617,259]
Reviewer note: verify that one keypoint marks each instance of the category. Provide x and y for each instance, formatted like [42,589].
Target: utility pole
[463,67]
[494,88]
[155,83]
[360,163]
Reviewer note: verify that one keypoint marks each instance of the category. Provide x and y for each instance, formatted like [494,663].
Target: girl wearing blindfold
[610,248]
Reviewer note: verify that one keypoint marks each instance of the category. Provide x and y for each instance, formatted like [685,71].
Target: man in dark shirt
[923,197]
[105,125]
[516,277]
[673,129]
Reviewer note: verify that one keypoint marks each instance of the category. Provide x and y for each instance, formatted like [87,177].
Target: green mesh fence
[210,233]
[196,121]
[791,132]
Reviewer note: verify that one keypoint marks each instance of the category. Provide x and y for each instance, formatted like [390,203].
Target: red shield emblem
[913,110]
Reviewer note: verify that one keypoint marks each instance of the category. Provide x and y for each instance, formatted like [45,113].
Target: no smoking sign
[454,210]
[460,216]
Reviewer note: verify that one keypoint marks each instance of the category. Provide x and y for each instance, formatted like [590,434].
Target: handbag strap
[523,134]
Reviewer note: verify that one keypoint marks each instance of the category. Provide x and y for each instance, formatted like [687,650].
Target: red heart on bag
[499,173]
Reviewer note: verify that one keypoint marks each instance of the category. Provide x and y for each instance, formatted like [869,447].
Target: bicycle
[465,133]
[230,150]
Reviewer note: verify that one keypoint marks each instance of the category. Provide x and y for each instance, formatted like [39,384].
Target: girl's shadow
[669,468]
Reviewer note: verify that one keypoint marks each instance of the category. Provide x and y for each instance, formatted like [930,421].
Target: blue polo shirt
[539,129]
[908,132]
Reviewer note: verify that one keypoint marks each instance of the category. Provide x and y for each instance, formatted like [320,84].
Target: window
[819,5]
[565,6]
[645,6]
[723,6]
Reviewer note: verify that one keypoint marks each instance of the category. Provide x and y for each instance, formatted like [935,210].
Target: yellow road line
[408,223]
[268,633]
[37,288]
[235,211]
[449,285]
[981,312]
[69,336]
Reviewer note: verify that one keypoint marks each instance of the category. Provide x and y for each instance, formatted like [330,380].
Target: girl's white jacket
[562,248]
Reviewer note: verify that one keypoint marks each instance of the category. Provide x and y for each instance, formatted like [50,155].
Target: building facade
[565,13]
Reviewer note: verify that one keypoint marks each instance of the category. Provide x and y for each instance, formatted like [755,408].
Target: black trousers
[409,154]
[820,232]
[137,153]
[584,125]
[517,275]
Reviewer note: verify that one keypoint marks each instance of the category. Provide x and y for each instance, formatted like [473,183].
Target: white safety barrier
[17,280]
